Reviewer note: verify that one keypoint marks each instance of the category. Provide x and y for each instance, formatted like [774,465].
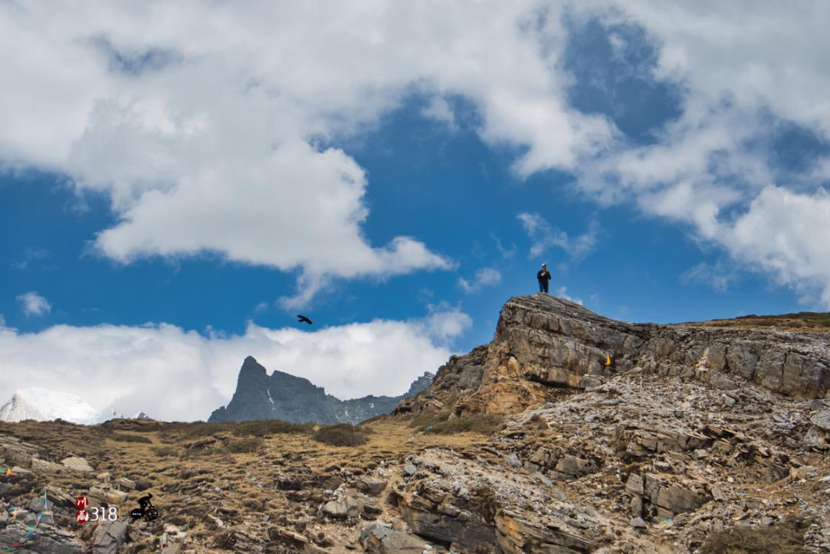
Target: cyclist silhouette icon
[146,510]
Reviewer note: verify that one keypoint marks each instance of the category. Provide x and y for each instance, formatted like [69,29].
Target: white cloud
[181,375]
[208,138]
[506,252]
[740,69]
[720,275]
[562,292]
[785,234]
[212,137]
[484,277]
[34,304]
[543,236]
[444,323]
[440,110]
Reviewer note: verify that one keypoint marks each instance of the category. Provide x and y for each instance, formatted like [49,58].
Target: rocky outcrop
[381,539]
[296,400]
[452,502]
[543,344]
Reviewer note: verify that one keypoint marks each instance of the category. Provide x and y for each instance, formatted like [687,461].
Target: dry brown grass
[188,483]
[812,322]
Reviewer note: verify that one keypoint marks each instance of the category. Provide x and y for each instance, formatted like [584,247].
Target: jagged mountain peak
[281,395]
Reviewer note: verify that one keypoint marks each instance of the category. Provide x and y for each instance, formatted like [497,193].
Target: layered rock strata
[543,343]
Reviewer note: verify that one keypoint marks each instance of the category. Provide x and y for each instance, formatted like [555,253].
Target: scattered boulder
[381,539]
[513,461]
[821,420]
[570,467]
[370,486]
[43,466]
[125,484]
[297,542]
[115,497]
[346,505]
[109,536]
[638,523]
[77,464]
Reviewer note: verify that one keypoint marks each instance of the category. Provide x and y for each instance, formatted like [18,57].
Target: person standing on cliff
[544,278]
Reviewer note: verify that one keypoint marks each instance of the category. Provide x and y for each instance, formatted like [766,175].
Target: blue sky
[171,204]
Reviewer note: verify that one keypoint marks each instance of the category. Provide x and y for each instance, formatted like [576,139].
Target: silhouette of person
[144,501]
[544,278]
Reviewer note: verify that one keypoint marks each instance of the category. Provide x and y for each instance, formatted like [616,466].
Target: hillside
[528,445]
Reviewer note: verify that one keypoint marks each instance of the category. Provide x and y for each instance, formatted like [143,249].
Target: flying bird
[304,319]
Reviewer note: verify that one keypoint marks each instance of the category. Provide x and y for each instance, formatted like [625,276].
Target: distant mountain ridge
[39,404]
[297,400]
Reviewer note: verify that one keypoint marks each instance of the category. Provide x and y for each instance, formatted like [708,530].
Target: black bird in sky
[304,319]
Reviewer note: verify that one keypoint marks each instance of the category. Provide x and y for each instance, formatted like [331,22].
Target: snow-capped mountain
[45,405]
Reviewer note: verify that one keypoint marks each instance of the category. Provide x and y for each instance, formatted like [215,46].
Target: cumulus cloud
[707,170]
[484,277]
[217,137]
[543,236]
[212,137]
[175,374]
[785,234]
[33,304]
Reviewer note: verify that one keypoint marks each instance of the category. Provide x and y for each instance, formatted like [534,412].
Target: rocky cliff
[296,400]
[543,344]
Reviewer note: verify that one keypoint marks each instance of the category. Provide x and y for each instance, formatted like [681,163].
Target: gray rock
[513,461]
[37,505]
[171,548]
[77,464]
[638,523]
[821,420]
[125,484]
[371,486]
[410,469]
[46,540]
[569,467]
[678,499]
[378,539]
[634,484]
[109,536]
[115,497]
[636,506]
[815,438]
[346,505]
[43,466]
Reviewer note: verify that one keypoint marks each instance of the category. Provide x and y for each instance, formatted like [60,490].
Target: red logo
[82,503]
